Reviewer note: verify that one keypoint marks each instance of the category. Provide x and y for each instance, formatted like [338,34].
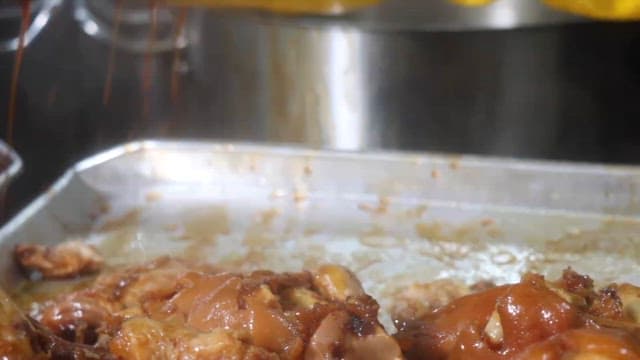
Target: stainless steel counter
[562,89]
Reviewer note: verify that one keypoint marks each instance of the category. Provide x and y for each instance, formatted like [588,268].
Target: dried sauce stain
[202,228]
[380,208]
[117,243]
[307,170]
[153,196]
[103,206]
[300,195]
[252,259]
[266,217]
[487,222]
[171,227]
[206,224]
[471,233]
[311,258]
[495,232]
[311,231]
[454,164]
[363,260]
[613,237]
[257,235]
[435,174]
[378,237]
[431,231]
[415,212]
[129,219]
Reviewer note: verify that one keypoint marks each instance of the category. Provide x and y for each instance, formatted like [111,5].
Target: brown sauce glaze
[187,308]
[533,319]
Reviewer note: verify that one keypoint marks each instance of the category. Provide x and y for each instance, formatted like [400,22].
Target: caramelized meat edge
[533,319]
[169,308]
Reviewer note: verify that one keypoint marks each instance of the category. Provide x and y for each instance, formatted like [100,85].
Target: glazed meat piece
[65,260]
[533,319]
[144,338]
[172,309]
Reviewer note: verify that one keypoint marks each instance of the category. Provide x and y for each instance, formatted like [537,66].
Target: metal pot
[511,79]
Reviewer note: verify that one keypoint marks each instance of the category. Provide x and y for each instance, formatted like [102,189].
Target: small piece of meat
[575,283]
[607,304]
[65,260]
[334,339]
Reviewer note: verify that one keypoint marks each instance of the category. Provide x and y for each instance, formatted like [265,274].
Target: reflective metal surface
[525,92]
[440,15]
[11,17]
[382,214]
[137,31]
[10,165]
[563,91]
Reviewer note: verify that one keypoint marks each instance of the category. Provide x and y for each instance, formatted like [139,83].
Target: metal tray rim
[373,154]
[15,164]
[289,149]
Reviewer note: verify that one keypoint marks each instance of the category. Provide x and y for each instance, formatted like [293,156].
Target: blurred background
[514,78]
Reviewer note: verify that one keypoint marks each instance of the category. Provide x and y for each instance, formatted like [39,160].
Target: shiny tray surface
[393,218]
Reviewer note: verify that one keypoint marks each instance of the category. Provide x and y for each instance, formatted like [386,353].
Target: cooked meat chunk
[144,338]
[172,309]
[65,260]
[533,319]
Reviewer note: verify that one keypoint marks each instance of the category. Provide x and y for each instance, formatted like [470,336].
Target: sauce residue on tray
[202,228]
[129,219]
[471,233]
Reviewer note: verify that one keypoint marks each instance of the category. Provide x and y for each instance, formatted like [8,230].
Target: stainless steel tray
[394,218]
[10,164]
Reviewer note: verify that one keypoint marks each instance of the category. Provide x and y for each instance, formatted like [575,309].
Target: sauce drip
[147,67]
[24,26]
[106,94]
[175,73]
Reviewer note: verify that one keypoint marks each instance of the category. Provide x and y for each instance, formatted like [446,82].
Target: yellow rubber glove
[286,6]
[472,2]
[600,9]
